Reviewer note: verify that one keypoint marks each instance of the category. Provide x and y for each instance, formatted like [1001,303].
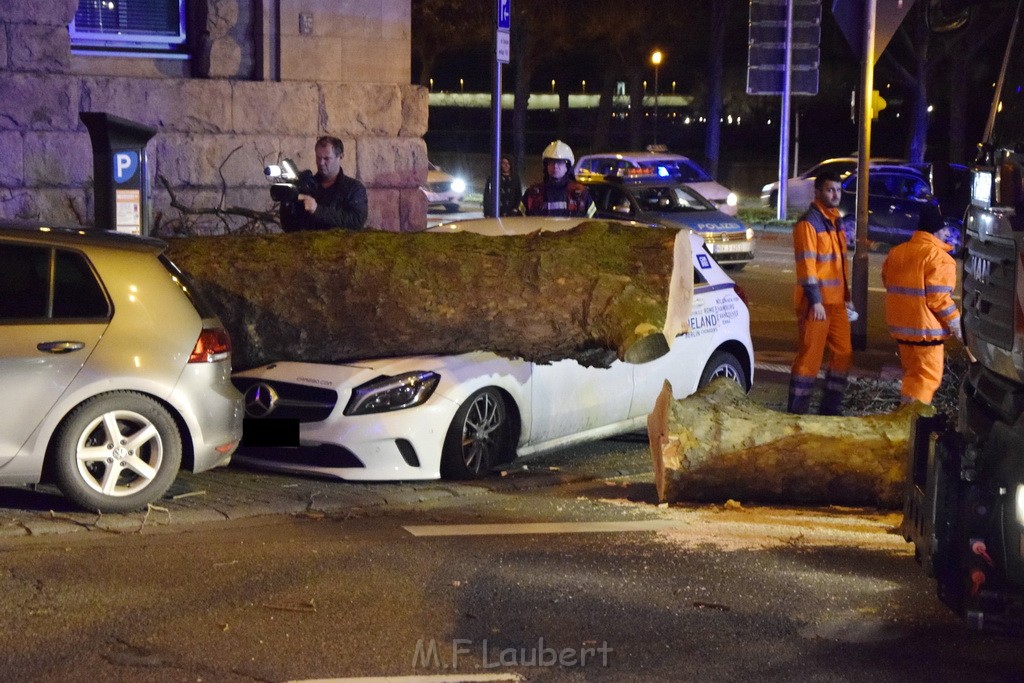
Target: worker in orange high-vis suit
[919,278]
[822,299]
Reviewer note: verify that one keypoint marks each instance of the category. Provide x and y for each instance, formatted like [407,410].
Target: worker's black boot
[800,390]
[832,399]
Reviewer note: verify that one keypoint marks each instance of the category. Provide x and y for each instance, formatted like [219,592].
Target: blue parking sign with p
[125,165]
[505,14]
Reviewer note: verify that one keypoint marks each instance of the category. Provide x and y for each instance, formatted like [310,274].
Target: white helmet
[559,150]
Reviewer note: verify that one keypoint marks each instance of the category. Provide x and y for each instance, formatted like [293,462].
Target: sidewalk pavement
[233,493]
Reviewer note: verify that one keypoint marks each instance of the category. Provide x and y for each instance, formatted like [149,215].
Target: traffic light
[877,104]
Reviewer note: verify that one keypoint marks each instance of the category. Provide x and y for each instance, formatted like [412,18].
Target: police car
[674,205]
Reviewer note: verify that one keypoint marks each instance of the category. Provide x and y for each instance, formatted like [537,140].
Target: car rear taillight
[214,344]
[741,294]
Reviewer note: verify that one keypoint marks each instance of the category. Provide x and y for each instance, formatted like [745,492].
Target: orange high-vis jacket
[919,278]
[819,246]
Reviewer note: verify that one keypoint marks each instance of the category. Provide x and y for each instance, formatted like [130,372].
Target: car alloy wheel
[116,452]
[478,438]
[724,364]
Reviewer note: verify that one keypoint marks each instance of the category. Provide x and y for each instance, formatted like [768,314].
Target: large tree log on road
[596,292]
[717,444]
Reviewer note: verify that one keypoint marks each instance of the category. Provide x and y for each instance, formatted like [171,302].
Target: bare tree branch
[253,217]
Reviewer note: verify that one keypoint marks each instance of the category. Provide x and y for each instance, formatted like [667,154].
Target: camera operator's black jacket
[342,205]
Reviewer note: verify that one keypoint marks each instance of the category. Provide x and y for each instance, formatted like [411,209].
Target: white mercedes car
[458,416]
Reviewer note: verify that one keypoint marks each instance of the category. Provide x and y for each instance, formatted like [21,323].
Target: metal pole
[859,329]
[796,140]
[781,203]
[656,103]
[496,165]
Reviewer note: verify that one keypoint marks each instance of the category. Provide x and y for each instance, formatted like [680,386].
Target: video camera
[289,182]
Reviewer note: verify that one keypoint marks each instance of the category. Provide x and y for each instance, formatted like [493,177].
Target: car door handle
[60,346]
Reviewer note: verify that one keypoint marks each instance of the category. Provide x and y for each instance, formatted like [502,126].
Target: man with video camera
[329,199]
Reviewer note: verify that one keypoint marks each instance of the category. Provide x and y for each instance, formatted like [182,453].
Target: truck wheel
[480,436]
[116,452]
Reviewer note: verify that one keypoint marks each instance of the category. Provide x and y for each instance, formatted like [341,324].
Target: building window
[151,28]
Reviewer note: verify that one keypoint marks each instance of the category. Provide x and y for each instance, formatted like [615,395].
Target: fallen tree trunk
[717,444]
[594,293]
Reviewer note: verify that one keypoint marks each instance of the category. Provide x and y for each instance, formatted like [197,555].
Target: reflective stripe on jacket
[558,199]
[819,247]
[919,278]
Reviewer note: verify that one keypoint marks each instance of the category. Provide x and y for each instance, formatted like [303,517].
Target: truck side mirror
[943,19]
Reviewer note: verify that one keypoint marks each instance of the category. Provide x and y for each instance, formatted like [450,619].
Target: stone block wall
[214,135]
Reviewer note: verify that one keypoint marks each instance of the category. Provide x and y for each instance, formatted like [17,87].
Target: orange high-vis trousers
[814,336]
[922,371]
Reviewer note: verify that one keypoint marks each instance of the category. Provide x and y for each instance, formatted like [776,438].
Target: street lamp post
[656,61]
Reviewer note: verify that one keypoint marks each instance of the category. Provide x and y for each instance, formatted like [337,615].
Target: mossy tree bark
[594,293]
[717,444]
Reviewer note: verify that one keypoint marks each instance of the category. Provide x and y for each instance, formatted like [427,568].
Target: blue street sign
[125,164]
[505,14]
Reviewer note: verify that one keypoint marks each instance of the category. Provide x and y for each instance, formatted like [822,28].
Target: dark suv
[896,195]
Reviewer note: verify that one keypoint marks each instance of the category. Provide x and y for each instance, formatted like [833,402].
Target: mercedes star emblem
[260,400]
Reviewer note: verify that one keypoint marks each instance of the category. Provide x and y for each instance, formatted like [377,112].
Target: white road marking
[540,528]
[440,678]
[773,367]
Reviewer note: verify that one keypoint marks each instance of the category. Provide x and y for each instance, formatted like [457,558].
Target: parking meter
[120,181]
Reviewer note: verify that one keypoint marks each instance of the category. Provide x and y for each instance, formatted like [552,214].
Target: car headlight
[749,233]
[732,199]
[1020,504]
[385,394]
[981,188]
[458,185]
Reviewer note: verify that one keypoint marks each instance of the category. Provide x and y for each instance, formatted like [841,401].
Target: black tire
[479,437]
[724,364]
[451,208]
[734,267]
[146,450]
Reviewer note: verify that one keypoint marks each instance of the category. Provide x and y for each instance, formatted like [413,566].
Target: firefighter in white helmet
[558,194]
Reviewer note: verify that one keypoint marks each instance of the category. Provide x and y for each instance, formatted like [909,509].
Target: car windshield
[1009,123]
[184,281]
[895,185]
[669,199]
[677,169]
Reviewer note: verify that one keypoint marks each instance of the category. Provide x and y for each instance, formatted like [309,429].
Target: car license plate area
[728,247]
[280,433]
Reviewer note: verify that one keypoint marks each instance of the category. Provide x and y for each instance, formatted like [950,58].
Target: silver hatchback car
[113,375]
